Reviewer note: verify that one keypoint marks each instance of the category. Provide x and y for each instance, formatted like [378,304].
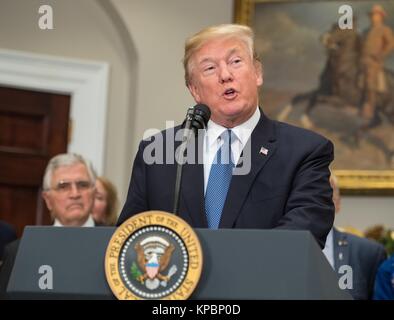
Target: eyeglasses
[66,186]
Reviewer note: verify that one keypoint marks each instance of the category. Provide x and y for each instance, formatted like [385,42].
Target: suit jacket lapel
[262,136]
[341,249]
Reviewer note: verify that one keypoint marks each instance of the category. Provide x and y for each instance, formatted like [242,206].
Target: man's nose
[74,192]
[225,74]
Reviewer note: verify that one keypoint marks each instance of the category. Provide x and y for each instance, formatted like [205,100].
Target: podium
[238,264]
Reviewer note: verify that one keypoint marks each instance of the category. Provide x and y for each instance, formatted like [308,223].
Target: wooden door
[33,128]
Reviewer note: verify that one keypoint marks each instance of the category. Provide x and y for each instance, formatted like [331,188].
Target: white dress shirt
[88,223]
[212,141]
[329,249]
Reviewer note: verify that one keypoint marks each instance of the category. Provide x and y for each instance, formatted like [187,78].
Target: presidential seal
[153,255]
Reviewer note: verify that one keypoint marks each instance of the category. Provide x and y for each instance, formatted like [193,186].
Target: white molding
[85,81]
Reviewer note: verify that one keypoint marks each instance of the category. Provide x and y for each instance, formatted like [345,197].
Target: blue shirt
[384,282]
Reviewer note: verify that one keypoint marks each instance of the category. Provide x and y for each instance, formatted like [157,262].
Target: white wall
[82,30]
[364,212]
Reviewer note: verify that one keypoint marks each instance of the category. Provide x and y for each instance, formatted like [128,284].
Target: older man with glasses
[68,191]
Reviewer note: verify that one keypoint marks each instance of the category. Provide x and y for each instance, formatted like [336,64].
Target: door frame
[86,81]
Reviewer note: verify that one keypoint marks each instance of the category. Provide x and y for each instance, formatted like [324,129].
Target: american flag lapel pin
[263,151]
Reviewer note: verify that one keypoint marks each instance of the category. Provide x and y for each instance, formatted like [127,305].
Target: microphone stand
[188,132]
[196,118]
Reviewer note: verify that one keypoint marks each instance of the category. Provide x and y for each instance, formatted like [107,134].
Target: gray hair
[64,160]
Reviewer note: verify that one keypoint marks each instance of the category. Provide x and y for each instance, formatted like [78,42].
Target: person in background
[105,208]
[384,282]
[7,235]
[68,191]
[362,255]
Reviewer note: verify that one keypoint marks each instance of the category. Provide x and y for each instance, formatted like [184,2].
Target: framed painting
[330,69]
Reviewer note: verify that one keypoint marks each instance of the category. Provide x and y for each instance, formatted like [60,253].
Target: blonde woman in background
[105,209]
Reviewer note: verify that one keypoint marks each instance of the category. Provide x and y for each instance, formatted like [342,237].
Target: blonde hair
[195,42]
[111,211]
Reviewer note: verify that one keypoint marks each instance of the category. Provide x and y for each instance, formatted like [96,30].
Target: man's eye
[236,61]
[63,186]
[209,68]
[83,184]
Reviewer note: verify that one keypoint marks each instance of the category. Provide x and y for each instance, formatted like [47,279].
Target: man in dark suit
[281,176]
[7,235]
[362,255]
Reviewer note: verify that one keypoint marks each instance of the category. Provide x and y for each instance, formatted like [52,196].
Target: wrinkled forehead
[100,187]
[220,48]
[72,172]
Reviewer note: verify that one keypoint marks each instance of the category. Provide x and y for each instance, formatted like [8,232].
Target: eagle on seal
[153,262]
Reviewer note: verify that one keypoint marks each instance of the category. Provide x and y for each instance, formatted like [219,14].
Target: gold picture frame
[351,182]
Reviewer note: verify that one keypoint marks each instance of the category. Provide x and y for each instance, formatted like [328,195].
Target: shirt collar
[88,223]
[242,131]
[330,239]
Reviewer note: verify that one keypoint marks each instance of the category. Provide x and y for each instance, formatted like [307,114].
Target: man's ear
[194,92]
[47,200]
[259,72]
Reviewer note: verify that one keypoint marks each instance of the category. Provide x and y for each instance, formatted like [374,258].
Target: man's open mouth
[230,93]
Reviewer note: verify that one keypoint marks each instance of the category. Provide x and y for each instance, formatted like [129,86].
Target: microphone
[197,118]
[201,116]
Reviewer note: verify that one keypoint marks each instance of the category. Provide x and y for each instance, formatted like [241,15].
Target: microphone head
[202,113]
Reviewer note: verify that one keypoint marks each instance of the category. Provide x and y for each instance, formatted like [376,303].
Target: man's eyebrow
[228,54]
[232,51]
[205,60]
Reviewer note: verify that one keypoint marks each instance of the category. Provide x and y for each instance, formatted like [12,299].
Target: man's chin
[76,217]
[230,114]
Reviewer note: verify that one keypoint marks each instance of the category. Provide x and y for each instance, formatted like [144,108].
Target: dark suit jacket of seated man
[344,250]
[287,186]
[7,235]
[363,255]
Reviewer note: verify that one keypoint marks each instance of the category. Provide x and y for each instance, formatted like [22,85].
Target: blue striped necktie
[219,181]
